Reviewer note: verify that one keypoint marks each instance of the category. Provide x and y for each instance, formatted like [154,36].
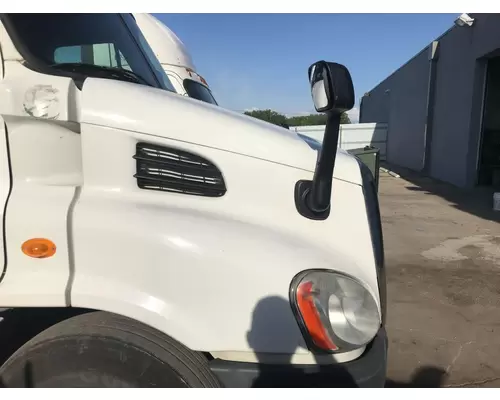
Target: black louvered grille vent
[171,170]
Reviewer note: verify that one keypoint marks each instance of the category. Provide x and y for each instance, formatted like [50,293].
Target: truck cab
[153,240]
[174,58]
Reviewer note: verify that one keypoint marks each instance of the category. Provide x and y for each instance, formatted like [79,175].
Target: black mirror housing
[331,87]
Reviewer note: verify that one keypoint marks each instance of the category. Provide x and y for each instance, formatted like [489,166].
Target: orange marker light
[311,317]
[203,80]
[39,248]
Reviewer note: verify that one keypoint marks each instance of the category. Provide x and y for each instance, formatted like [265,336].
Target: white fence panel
[352,136]
[312,131]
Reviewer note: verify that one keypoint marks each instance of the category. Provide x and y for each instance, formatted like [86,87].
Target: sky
[259,61]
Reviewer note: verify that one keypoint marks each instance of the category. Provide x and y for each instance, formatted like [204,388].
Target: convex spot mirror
[331,87]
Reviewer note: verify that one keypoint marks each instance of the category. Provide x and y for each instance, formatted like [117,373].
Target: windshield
[100,45]
[198,91]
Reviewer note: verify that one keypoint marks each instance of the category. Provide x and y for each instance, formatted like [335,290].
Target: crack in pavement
[430,335]
[459,352]
[481,382]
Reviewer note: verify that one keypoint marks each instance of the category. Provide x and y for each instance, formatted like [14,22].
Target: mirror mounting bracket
[302,191]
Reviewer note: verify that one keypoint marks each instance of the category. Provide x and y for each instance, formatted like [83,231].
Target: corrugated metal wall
[401,102]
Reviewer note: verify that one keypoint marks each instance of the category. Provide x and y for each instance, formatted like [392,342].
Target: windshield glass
[101,45]
[198,91]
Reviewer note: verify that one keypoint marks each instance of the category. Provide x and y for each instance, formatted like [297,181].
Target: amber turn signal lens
[311,317]
[39,248]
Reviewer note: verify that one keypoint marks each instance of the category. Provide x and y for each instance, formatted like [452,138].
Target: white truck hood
[158,112]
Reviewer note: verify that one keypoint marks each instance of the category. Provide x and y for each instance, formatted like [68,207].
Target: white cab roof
[167,47]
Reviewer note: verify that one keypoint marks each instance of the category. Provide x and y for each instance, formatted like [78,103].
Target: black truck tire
[100,349]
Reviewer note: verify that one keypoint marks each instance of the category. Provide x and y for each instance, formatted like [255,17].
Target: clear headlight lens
[336,311]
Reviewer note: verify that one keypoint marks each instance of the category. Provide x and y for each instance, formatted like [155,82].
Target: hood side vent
[171,170]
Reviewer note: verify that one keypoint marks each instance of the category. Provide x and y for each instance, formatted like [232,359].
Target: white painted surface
[197,268]
[167,46]
[315,132]
[352,136]
[45,158]
[18,94]
[171,260]
[173,55]
[138,108]
[212,273]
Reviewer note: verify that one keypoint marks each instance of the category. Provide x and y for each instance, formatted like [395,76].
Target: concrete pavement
[443,270]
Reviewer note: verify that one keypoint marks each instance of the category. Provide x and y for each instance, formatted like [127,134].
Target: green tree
[344,119]
[268,115]
[301,120]
[315,119]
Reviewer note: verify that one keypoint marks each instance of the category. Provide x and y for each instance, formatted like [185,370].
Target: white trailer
[175,58]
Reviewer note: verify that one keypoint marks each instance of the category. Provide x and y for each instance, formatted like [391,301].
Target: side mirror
[332,92]
[331,87]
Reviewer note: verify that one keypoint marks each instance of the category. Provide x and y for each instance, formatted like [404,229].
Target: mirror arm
[319,197]
[312,198]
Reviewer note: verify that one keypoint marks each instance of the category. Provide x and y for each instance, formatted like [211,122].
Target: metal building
[443,106]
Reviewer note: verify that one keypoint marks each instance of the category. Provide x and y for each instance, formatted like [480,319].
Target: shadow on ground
[477,201]
[425,377]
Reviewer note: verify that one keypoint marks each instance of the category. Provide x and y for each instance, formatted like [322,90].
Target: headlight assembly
[336,312]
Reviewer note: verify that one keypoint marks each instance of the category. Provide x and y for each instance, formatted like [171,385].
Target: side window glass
[70,54]
[107,55]
[123,61]
[103,54]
